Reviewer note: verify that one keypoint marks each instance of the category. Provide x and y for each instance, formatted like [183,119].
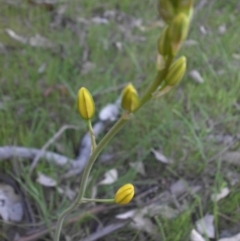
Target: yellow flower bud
[178,31]
[124,194]
[85,104]
[166,10]
[130,99]
[176,71]
[164,45]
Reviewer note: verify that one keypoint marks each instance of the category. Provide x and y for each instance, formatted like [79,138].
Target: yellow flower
[124,194]
[164,45]
[130,100]
[85,104]
[176,71]
[178,31]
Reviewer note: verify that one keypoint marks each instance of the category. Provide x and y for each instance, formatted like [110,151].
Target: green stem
[97,200]
[113,131]
[93,140]
[98,148]
[157,81]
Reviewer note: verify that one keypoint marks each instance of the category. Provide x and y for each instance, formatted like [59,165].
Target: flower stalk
[177,14]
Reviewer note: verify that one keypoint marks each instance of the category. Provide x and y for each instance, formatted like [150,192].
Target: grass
[180,122]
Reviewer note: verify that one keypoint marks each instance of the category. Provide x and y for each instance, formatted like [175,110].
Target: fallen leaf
[234,238]
[109,113]
[232,157]
[99,20]
[143,224]
[178,188]
[205,226]
[160,157]
[138,167]
[126,215]
[163,210]
[222,194]
[46,180]
[222,29]
[203,30]
[11,207]
[195,75]
[39,41]
[35,41]
[139,221]
[15,36]
[236,56]
[110,177]
[195,236]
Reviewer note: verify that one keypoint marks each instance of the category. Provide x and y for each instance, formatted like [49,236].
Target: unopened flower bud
[85,104]
[130,99]
[124,194]
[176,71]
[185,6]
[164,45]
[178,31]
[166,10]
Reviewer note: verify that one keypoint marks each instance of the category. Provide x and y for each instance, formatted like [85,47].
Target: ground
[104,45]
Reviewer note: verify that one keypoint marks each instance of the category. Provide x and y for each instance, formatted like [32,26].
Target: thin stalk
[96,149]
[93,140]
[97,200]
[113,131]
[161,75]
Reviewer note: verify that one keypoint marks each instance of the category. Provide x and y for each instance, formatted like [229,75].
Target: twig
[106,230]
[39,233]
[48,143]
[9,152]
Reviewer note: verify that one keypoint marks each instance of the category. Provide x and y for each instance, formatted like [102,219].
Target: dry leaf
[99,20]
[234,238]
[109,112]
[46,180]
[138,167]
[11,208]
[236,56]
[139,221]
[195,236]
[15,36]
[232,157]
[178,188]
[163,210]
[35,41]
[222,194]
[203,30]
[126,215]
[39,41]
[160,157]
[143,224]
[195,75]
[111,176]
[206,226]
[222,29]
